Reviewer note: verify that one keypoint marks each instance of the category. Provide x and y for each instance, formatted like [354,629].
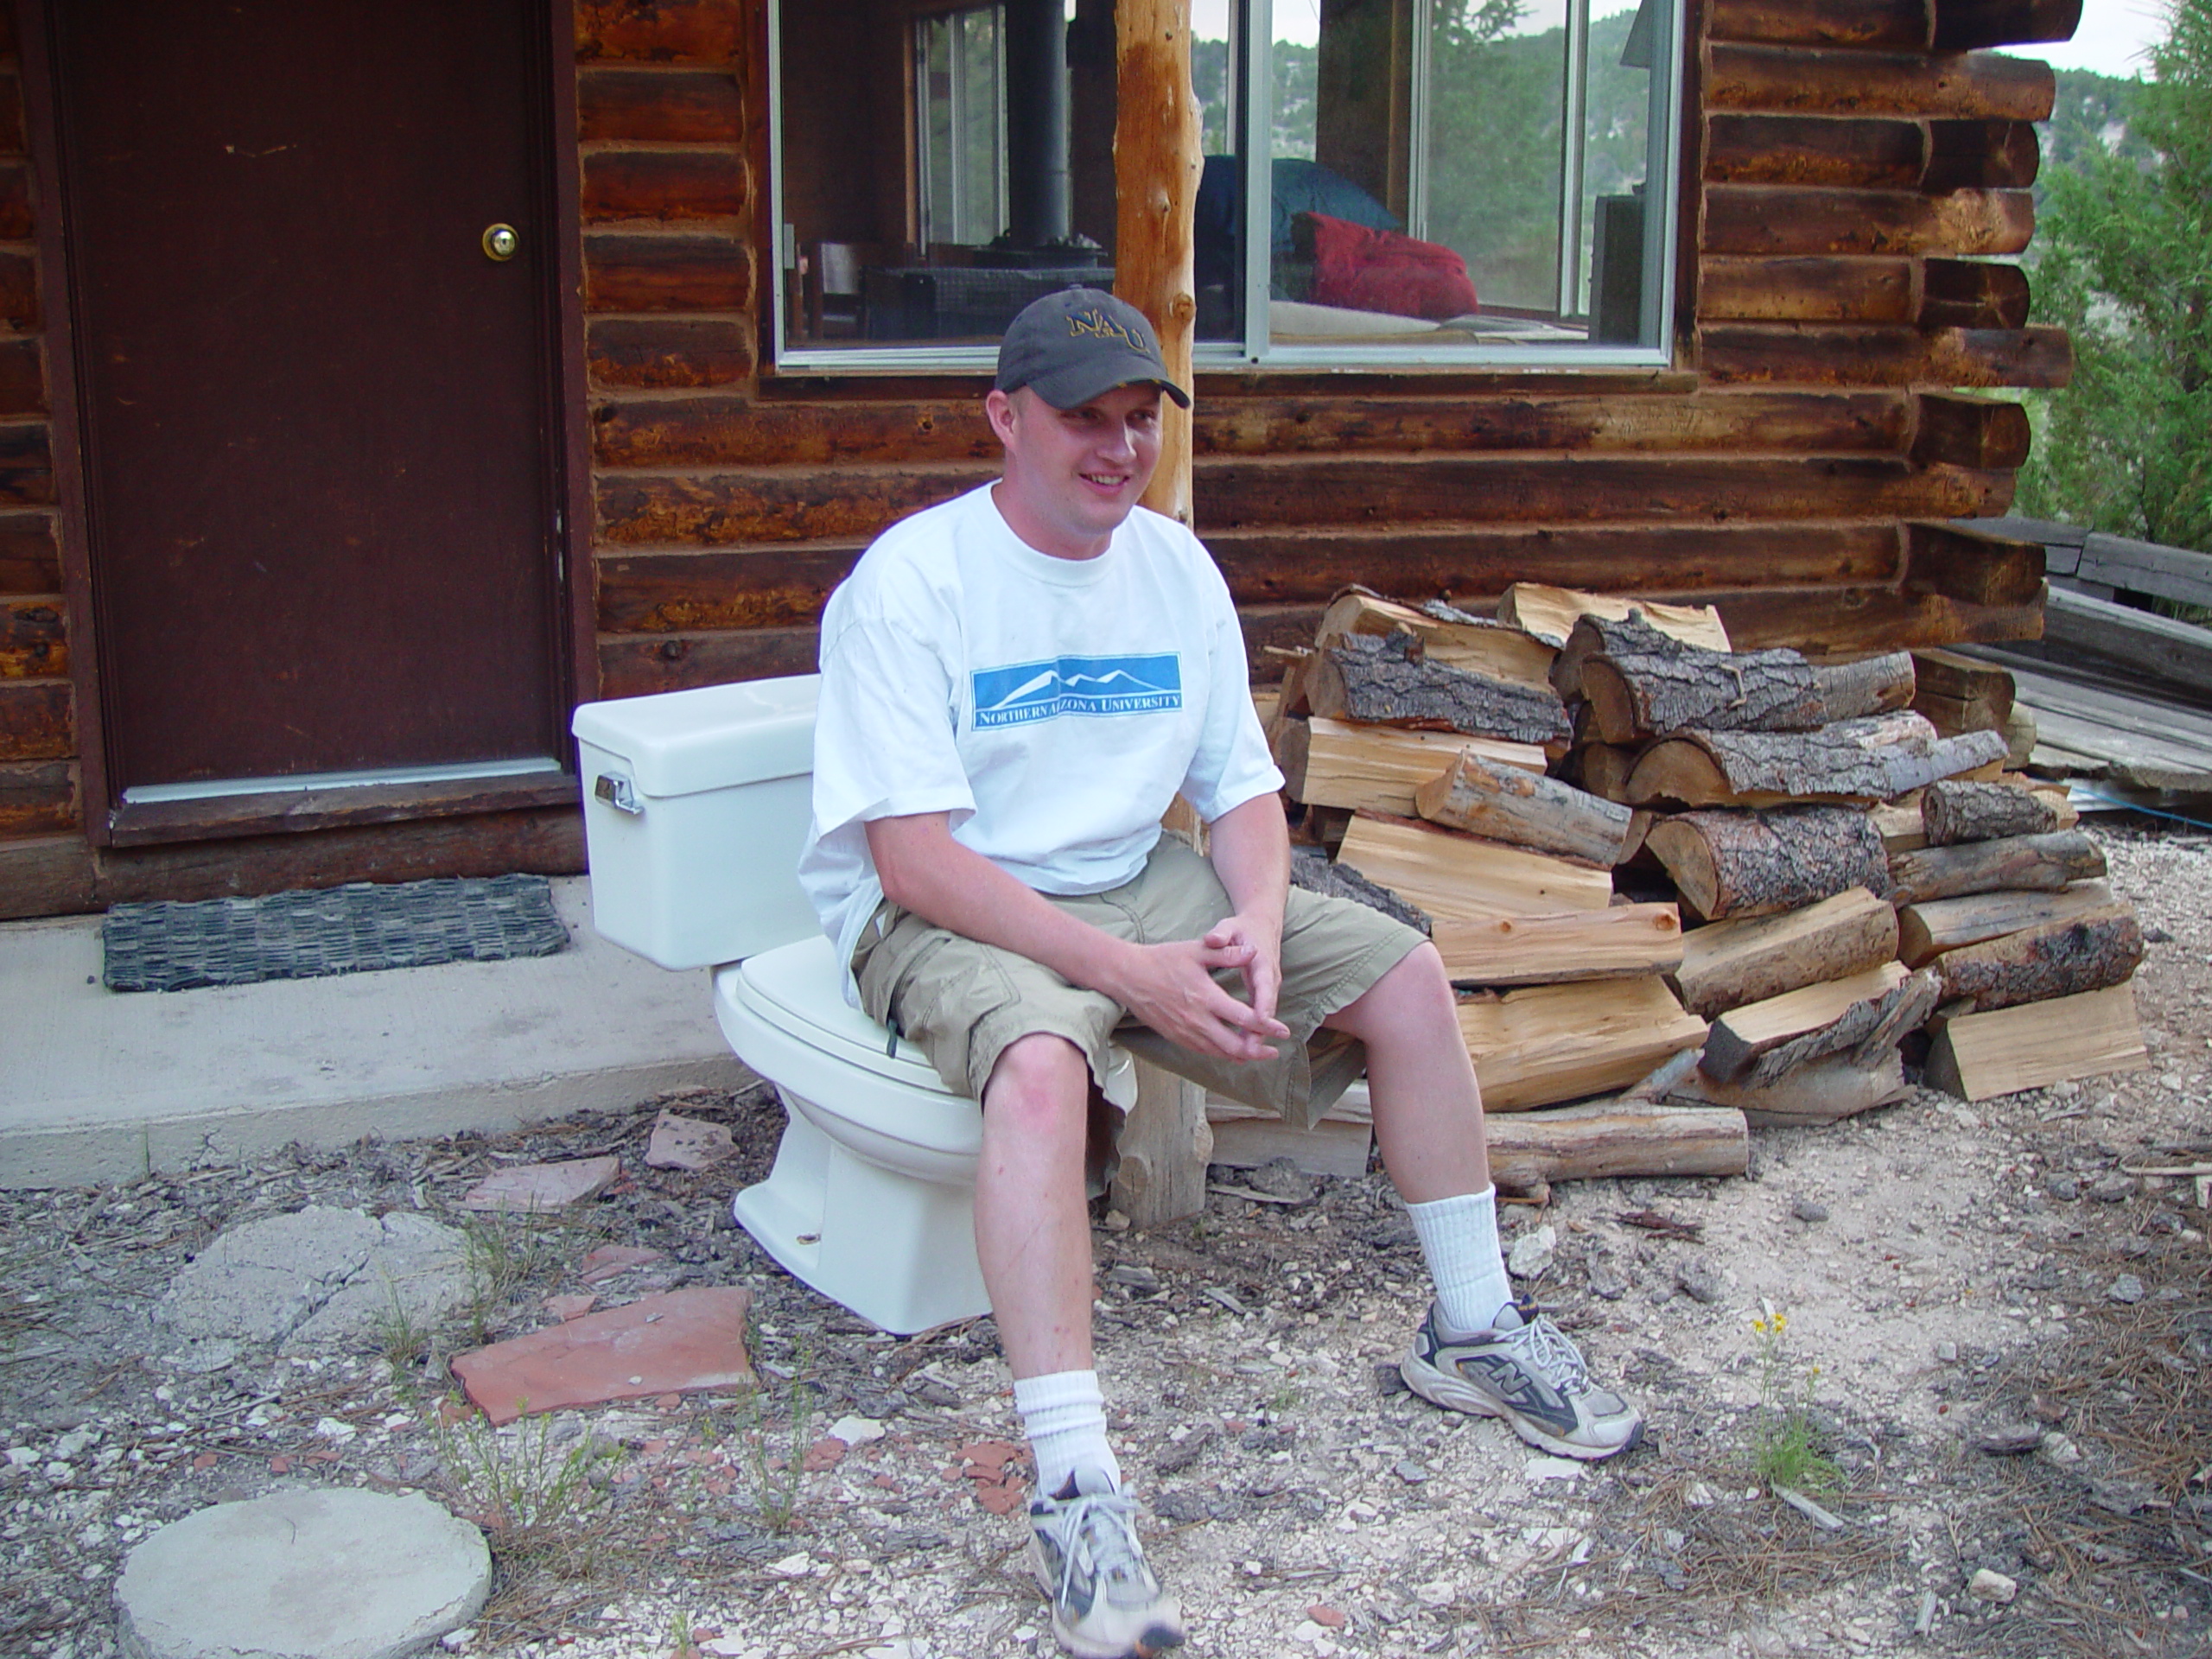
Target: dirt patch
[1931,1280]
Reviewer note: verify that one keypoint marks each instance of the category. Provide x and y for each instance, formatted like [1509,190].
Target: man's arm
[1250,850]
[1167,987]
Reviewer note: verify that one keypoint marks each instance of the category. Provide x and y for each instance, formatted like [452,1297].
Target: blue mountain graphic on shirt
[1021,692]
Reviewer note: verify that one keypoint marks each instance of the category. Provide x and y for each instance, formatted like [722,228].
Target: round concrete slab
[305,1574]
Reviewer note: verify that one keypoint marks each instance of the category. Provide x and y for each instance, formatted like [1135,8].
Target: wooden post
[1157,158]
[1165,1146]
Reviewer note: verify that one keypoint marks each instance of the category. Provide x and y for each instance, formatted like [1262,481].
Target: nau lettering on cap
[1098,325]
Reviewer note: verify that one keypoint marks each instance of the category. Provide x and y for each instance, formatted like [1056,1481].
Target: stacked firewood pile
[1552,792]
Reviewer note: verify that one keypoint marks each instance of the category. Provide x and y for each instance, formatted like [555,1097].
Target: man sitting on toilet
[1015,686]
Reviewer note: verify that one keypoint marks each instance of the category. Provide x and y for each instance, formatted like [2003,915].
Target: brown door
[315,413]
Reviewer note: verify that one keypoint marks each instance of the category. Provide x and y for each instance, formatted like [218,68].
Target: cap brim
[1078,384]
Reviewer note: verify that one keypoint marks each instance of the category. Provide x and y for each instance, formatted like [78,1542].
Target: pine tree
[2127,269]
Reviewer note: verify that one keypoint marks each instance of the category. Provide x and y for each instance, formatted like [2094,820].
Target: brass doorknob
[501,242]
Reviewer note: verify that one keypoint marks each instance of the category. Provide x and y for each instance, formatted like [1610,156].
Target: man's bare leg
[1428,1111]
[1032,1225]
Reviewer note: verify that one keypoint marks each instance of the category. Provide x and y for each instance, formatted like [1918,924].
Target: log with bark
[1861,761]
[1759,1041]
[1505,803]
[1603,1139]
[1620,941]
[1385,681]
[1550,614]
[1727,964]
[1553,1042]
[1980,1056]
[1819,1091]
[1641,683]
[1757,863]
[1925,930]
[1952,811]
[1978,692]
[1604,770]
[1336,762]
[2084,952]
[1311,870]
[1454,638]
[1445,874]
[2044,863]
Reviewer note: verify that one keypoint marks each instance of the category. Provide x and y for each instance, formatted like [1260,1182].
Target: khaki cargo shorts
[963,1003]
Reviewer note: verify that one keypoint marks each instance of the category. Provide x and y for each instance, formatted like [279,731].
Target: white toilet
[696,807]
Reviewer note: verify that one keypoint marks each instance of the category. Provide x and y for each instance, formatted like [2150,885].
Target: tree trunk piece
[1335,763]
[1553,1043]
[1385,682]
[1159,152]
[1819,1091]
[1164,1146]
[1637,695]
[1550,614]
[1980,1056]
[1448,874]
[2057,958]
[1927,931]
[1472,643]
[1727,964]
[1859,761]
[1743,1037]
[1606,1139]
[1730,864]
[1952,812]
[1311,870]
[1504,804]
[2045,863]
[1619,942]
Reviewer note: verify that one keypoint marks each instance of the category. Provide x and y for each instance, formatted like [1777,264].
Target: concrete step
[100,1085]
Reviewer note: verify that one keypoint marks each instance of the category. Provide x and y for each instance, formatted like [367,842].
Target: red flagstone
[677,1341]
[687,1143]
[608,1259]
[543,1186]
[574,1306]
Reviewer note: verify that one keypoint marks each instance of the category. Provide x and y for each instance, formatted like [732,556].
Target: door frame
[567,487]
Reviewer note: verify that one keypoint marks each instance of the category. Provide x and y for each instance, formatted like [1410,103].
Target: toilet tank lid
[683,742]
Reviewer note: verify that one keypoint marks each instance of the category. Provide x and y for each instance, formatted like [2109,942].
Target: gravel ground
[1947,1278]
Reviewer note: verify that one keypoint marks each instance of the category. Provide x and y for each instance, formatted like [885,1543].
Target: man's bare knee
[1040,1083]
[1415,992]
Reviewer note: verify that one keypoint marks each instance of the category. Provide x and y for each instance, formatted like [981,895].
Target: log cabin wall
[1848,165]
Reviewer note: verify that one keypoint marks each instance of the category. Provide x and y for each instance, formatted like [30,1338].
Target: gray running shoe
[1106,1603]
[1530,1375]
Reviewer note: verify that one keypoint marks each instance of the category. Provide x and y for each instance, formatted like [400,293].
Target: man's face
[1073,474]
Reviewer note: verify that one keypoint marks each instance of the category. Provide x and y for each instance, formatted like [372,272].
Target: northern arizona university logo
[1077,685]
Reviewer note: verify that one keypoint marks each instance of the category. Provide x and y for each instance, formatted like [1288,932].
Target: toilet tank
[696,805]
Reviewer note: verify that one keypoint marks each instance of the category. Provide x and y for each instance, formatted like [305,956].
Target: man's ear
[998,408]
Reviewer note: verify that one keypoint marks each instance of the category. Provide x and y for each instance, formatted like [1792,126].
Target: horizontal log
[1855,761]
[1447,875]
[1973,293]
[1387,680]
[1331,763]
[1986,155]
[1733,353]
[1946,25]
[34,640]
[2120,562]
[17,222]
[665,184]
[770,504]
[1869,619]
[1823,288]
[696,106]
[662,31]
[1457,639]
[1959,563]
[1726,965]
[2079,628]
[678,271]
[1771,219]
[1819,1091]
[1624,941]
[668,353]
[1952,811]
[38,798]
[635,666]
[47,875]
[1506,804]
[1975,85]
[1553,1042]
[19,289]
[1980,1056]
[1731,863]
[720,429]
[26,464]
[1743,1036]
[1927,929]
[2043,863]
[1874,152]
[1975,432]
[1608,1139]
[36,721]
[1963,25]
[30,560]
[22,377]
[780,587]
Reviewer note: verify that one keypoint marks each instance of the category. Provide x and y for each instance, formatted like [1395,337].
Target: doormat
[361,928]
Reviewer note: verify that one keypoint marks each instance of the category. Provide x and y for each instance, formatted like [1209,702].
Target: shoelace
[1554,1354]
[1104,1520]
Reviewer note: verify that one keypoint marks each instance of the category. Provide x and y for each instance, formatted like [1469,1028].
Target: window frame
[1251,65]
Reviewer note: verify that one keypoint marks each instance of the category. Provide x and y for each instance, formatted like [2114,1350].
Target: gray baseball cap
[1071,346]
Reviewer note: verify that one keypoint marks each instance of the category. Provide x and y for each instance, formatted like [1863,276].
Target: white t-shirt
[1052,707]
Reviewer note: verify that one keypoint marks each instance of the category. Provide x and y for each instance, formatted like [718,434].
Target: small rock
[1606,1280]
[335,1430]
[572,1306]
[792,1566]
[1535,1471]
[1808,1210]
[2112,1189]
[1279,1178]
[1411,1472]
[1699,1495]
[1135,1276]
[1307,1631]
[2120,1497]
[2063,1187]
[1987,1585]
[826,1453]
[1767,1643]
[856,1430]
[1116,1222]
[1700,1281]
[22,1457]
[76,1443]
[1947,1353]
[687,1143]
[2127,1288]
[1532,1252]
[2058,1448]
[609,1261]
[1328,1617]
[534,1187]
[1437,1592]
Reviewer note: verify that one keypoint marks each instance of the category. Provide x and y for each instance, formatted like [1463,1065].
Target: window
[1440,180]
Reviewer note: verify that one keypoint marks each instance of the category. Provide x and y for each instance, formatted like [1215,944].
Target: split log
[2056,795]
[2085,952]
[1620,941]
[1331,763]
[1164,1146]
[1856,760]
[1386,682]
[1899,822]
[1728,964]
[1504,803]
[1757,863]
[2044,863]
[1550,614]
[1551,1043]
[1609,1138]
[1455,638]
[1657,686]
[1445,874]
[1979,1055]
[1952,812]
[1744,1037]
[1981,692]
[1311,870]
[1819,1091]
[1927,931]
[1863,1033]
[1604,770]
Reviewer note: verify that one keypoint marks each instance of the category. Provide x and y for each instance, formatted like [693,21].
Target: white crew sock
[1458,1238]
[1065,1416]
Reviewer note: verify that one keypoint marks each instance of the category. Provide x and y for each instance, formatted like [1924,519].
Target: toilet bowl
[696,807]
